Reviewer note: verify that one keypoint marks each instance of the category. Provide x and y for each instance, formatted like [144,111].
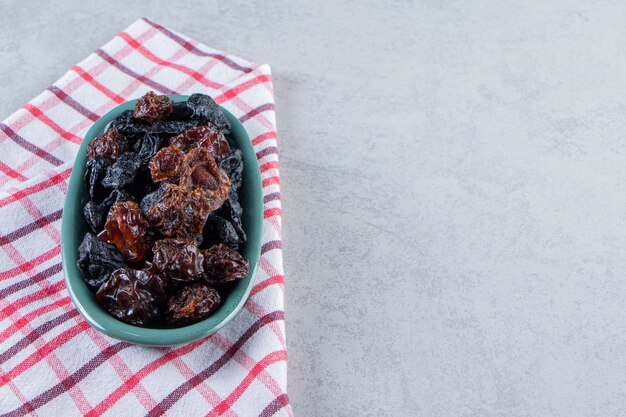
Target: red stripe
[191,48]
[27,266]
[269,165]
[276,279]
[30,147]
[235,91]
[11,172]
[275,211]
[263,137]
[91,80]
[50,123]
[44,351]
[277,356]
[145,52]
[21,302]
[26,319]
[271,180]
[49,182]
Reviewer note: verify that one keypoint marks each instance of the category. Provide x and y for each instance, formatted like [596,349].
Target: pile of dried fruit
[164,212]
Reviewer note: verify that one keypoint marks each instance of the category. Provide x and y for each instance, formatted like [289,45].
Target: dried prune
[110,145]
[128,230]
[179,259]
[152,107]
[223,264]
[200,172]
[95,171]
[206,110]
[95,214]
[148,146]
[194,303]
[219,230]
[127,125]
[149,199]
[97,259]
[123,172]
[133,296]
[178,212]
[181,111]
[166,163]
[231,211]
[232,163]
[171,127]
[202,136]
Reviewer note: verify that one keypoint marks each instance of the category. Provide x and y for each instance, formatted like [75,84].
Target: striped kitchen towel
[52,363]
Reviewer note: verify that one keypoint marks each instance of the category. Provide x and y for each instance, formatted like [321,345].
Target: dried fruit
[128,230]
[95,171]
[178,212]
[200,172]
[207,111]
[200,136]
[96,214]
[194,303]
[232,164]
[149,199]
[123,172]
[166,163]
[231,210]
[152,107]
[148,146]
[223,264]
[180,259]
[219,230]
[133,296]
[97,260]
[110,145]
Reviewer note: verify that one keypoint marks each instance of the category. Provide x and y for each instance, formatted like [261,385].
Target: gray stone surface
[454,182]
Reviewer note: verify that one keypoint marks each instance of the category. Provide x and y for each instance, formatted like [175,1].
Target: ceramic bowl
[73,229]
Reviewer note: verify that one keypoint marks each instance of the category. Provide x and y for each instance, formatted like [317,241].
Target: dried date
[200,136]
[201,172]
[133,296]
[165,165]
[178,212]
[110,145]
[223,264]
[194,303]
[179,259]
[128,230]
[152,107]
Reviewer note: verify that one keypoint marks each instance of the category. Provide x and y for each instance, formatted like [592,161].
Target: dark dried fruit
[132,296]
[171,127]
[223,264]
[166,163]
[200,136]
[178,212]
[123,172]
[110,145]
[179,259]
[200,172]
[148,146]
[96,260]
[219,230]
[96,214]
[207,111]
[232,163]
[95,171]
[149,199]
[231,210]
[128,230]
[152,107]
[181,111]
[194,303]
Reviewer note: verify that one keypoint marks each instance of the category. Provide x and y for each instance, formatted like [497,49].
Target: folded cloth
[52,363]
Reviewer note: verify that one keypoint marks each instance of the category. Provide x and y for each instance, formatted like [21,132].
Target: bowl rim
[83,298]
